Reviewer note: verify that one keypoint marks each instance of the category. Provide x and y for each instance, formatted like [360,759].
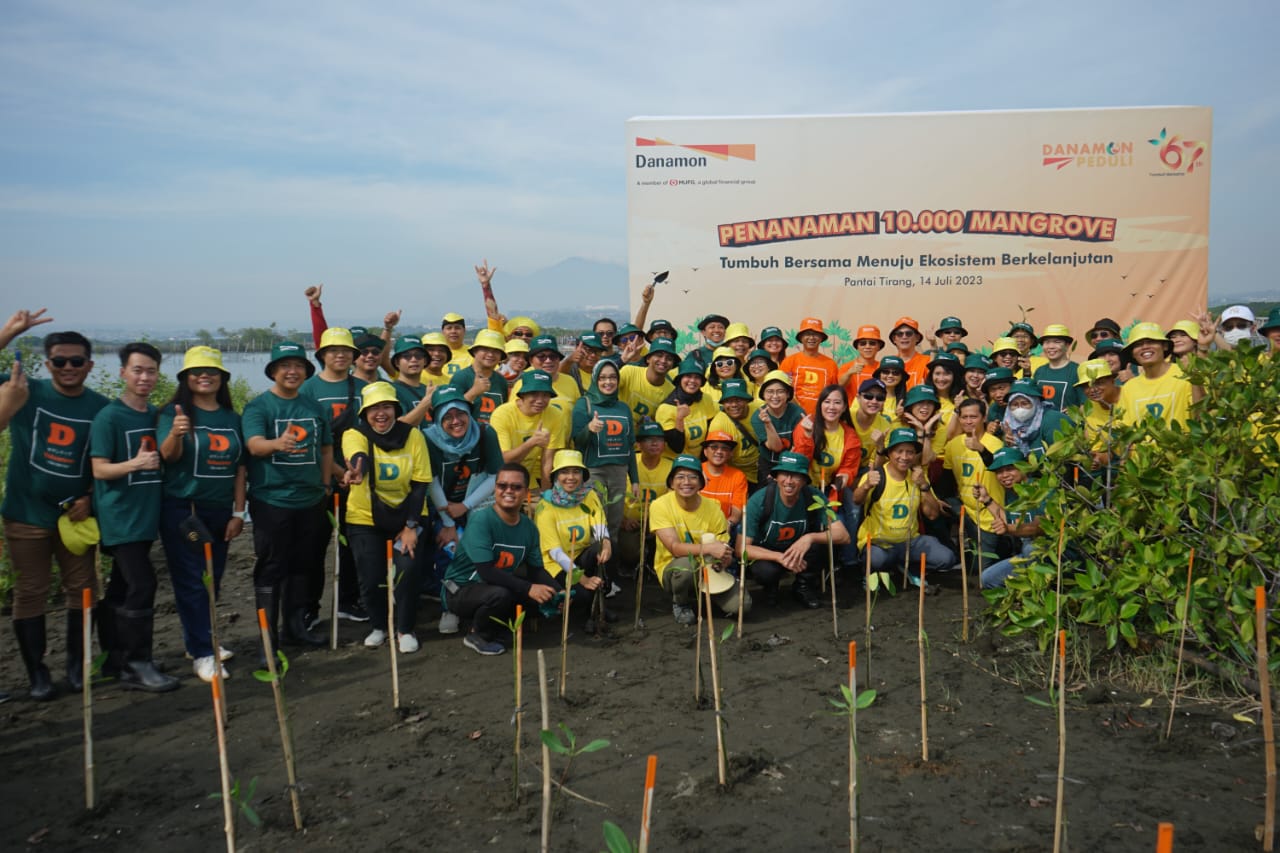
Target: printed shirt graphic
[640,396]
[294,479]
[483,406]
[892,519]
[489,539]
[49,452]
[1167,398]
[810,374]
[969,470]
[695,425]
[455,477]
[1058,384]
[332,397]
[567,528]
[784,425]
[460,358]
[393,473]
[212,453]
[787,523]
[128,508]
[666,512]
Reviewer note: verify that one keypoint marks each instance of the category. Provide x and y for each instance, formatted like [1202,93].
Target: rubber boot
[805,589]
[296,630]
[75,650]
[104,616]
[30,633]
[267,598]
[139,671]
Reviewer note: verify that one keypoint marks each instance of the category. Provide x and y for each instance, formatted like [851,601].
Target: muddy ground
[437,775]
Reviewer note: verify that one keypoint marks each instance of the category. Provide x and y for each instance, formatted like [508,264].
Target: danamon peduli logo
[1086,155]
[697,159]
[1179,156]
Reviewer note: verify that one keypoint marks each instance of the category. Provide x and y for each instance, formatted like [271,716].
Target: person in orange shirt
[906,336]
[810,370]
[724,483]
[868,343]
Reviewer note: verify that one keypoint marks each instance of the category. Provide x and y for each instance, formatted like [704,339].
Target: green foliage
[569,745]
[1212,485]
[242,801]
[264,675]
[616,840]
[848,703]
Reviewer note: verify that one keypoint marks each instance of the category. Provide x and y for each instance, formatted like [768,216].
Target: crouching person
[679,520]
[1021,525]
[784,537]
[498,565]
[574,532]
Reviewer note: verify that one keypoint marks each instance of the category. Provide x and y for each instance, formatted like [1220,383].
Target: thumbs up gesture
[181,422]
[596,424]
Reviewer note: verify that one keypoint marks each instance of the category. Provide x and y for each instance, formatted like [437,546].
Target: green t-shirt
[334,398]
[785,524]
[212,453]
[128,508]
[1058,384]
[48,453]
[410,396]
[482,407]
[784,425]
[454,475]
[489,539]
[293,480]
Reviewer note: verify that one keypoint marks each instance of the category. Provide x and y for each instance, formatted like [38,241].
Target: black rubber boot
[30,634]
[139,671]
[805,590]
[267,598]
[104,616]
[296,630]
[75,650]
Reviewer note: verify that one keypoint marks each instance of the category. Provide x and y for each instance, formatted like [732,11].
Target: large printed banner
[1058,216]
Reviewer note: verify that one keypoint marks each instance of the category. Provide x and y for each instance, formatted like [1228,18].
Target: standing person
[687,412]
[1025,336]
[1004,353]
[906,336]
[337,391]
[759,365]
[893,497]
[772,342]
[737,337]
[499,565]
[1099,386]
[1057,377]
[1104,329]
[868,343]
[950,330]
[202,447]
[1270,329]
[893,373]
[602,431]
[975,374]
[369,348]
[783,536]
[545,355]
[1236,327]
[480,382]
[712,327]
[996,387]
[517,361]
[735,405]
[652,467]
[290,469]
[409,359]
[388,472]
[830,441]
[436,372]
[966,456]
[1029,424]
[725,364]
[1184,335]
[454,329]
[529,429]
[1158,391]
[679,519]
[573,533]
[811,370]
[645,388]
[774,423]
[126,496]
[48,478]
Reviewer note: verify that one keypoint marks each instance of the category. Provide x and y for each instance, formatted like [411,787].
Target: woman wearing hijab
[573,530]
[603,433]
[388,472]
[204,479]
[1029,425]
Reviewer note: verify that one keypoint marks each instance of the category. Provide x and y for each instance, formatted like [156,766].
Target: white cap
[1238,312]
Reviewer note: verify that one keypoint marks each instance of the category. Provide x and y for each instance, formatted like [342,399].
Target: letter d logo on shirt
[61,435]
[900,511]
[966,469]
[505,560]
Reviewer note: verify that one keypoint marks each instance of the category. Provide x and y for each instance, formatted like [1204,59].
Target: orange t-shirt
[810,374]
[855,381]
[917,369]
[729,489]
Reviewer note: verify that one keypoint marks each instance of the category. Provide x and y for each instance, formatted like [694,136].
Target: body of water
[250,365]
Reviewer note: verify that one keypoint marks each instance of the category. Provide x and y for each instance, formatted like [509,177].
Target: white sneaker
[449,623]
[614,589]
[375,639]
[204,668]
[225,654]
[408,644]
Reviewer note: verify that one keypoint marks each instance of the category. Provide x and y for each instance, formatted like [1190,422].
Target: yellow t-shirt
[514,428]
[1167,398]
[1098,422]
[652,482]
[939,441]
[460,359]
[893,518]
[746,456]
[969,470]
[394,469]
[824,465]
[567,528]
[700,416]
[635,390]
[566,389]
[666,513]
[879,423]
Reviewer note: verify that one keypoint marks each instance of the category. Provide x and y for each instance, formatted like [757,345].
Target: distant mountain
[574,284]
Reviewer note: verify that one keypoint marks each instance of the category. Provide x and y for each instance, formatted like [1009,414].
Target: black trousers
[369,547]
[284,545]
[132,586]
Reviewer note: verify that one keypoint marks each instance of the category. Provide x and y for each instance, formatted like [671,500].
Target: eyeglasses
[371,351]
[528,335]
[890,372]
[204,371]
[63,361]
[1233,325]
[508,487]
[903,333]
[879,398]
[542,355]
[725,362]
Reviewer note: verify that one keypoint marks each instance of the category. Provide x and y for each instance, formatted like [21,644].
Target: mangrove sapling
[392,639]
[546,754]
[874,581]
[241,801]
[86,662]
[1057,598]
[571,577]
[828,507]
[515,626]
[568,747]
[275,677]
[848,706]
[964,584]
[207,579]
[743,564]
[616,840]
[1182,641]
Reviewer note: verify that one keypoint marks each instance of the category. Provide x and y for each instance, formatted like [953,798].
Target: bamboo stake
[644,534]
[697,638]
[282,716]
[980,556]
[86,675]
[228,815]
[831,567]
[646,810]
[1164,838]
[1182,640]
[210,586]
[822,489]
[333,616]
[1057,598]
[853,748]
[721,764]
[866,585]
[924,703]
[964,584]
[1059,831]
[546,755]
[1268,725]
[742,579]
[519,715]
[564,626]
[392,640]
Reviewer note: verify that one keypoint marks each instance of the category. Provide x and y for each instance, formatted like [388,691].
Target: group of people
[504,472]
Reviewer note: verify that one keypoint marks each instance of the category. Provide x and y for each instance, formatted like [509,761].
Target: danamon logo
[1086,155]
[718,152]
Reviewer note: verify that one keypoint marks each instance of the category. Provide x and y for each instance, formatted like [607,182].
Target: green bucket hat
[288,349]
[977,361]
[661,345]
[920,394]
[952,323]
[902,435]
[759,353]
[445,397]
[690,365]
[997,374]
[544,343]
[1004,457]
[1272,321]
[790,462]
[685,462]
[734,389]
[404,344]
[1027,388]
[771,332]
[532,381]
[1023,327]
[650,429]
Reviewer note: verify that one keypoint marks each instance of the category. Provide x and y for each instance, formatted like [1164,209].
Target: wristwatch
[412,524]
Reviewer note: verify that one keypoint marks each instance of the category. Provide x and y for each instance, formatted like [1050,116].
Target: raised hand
[181,422]
[596,425]
[313,294]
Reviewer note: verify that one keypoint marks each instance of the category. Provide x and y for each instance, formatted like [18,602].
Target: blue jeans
[994,575]
[186,570]
[937,557]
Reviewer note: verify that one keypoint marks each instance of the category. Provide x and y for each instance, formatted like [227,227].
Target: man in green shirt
[480,382]
[127,494]
[290,469]
[48,477]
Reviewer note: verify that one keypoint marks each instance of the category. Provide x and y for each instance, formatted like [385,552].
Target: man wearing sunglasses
[49,475]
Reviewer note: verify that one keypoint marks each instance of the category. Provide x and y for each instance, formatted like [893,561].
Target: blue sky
[199,164]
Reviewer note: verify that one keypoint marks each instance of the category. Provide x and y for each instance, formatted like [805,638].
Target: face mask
[1022,415]
[1235,337]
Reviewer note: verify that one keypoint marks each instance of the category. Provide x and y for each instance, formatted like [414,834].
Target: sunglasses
[725,362]
[890,372]
[63,361]
[203,371]
[371,351]
[626,339]
[904,333]
[877,397]
[519,334]
[541,355]
[508,487]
